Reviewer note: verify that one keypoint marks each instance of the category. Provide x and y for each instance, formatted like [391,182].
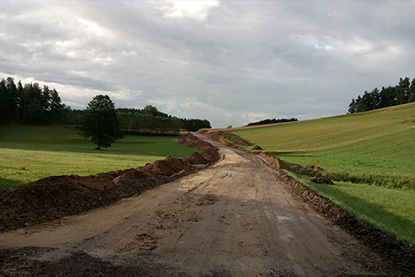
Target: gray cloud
[230,62]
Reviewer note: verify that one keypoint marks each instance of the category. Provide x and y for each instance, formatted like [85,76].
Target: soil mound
[314,168]
[214,136]
[196,158]
[58,196]
[192,141]
[166,167]
[257,147]
[274,162]
[235,139]
[211,154]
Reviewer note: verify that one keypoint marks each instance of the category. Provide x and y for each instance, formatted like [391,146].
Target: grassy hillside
[371,148]
[376,147]
[28,153]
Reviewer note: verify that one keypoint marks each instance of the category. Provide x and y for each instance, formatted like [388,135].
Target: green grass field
[370,154]
[376,147]
[390,210]
[29,153]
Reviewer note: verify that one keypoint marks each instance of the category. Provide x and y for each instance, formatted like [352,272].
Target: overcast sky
[231,62]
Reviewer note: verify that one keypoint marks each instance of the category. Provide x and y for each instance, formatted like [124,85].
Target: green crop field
[370,155]
[29,153]
[376,147]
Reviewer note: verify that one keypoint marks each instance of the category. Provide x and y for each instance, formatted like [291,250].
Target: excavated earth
[58,196]
[224,212]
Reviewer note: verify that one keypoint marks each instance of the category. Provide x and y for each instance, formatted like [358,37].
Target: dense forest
[30,104]
[402,93]
[271,121]
[33,104]
[148,120]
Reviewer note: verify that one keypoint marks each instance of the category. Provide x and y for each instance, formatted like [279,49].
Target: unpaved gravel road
[231,219]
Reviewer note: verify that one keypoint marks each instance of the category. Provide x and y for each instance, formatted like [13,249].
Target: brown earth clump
[211,154]
[195,158]
[274,162]
[192,141]
[296,167]
[221,140]
[257,147]
[58,196]
[235,139]
[314,168]
[166,167]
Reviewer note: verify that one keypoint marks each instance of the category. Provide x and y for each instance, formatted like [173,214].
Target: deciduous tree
[100,122]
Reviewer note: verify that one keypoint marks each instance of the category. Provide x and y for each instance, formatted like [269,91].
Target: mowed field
[29,153]
[370,155]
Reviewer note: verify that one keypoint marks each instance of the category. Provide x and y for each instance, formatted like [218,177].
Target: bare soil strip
[234,218]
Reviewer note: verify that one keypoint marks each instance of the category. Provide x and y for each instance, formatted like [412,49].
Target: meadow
[390,210]
[29,153]
[376,147]
[369,155]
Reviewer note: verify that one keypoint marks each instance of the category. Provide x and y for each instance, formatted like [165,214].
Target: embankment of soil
[234,139]
[58,196]
[273,161]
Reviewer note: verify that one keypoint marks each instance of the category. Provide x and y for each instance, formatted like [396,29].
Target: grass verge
[390,210]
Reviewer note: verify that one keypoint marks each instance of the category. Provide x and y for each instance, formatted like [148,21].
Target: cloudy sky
[231,62]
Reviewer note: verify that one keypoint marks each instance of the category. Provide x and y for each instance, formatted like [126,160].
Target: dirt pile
[192,141]
[400,255]
[196,158]
[257,147]
[314,168]
[308,169]
[234,139]
[58,196]
[273,161]
[210,153]
[221,140]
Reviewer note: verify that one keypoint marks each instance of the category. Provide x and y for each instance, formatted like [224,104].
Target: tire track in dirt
[231,219]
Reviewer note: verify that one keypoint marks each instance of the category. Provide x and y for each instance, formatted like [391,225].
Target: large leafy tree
[100,122]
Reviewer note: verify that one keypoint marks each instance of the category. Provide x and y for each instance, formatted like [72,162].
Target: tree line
[402,93]
[30,103]
[148,120]
[103,124]
[272,121]
[33,104]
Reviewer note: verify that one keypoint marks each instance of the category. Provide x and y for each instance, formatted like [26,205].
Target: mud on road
[234,218]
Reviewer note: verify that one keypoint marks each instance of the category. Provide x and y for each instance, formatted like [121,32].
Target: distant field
[29,153]
[376,147]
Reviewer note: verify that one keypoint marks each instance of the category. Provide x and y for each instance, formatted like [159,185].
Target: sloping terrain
[375,147]
[234,218]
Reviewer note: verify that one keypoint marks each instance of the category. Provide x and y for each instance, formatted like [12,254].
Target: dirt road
[231,219]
